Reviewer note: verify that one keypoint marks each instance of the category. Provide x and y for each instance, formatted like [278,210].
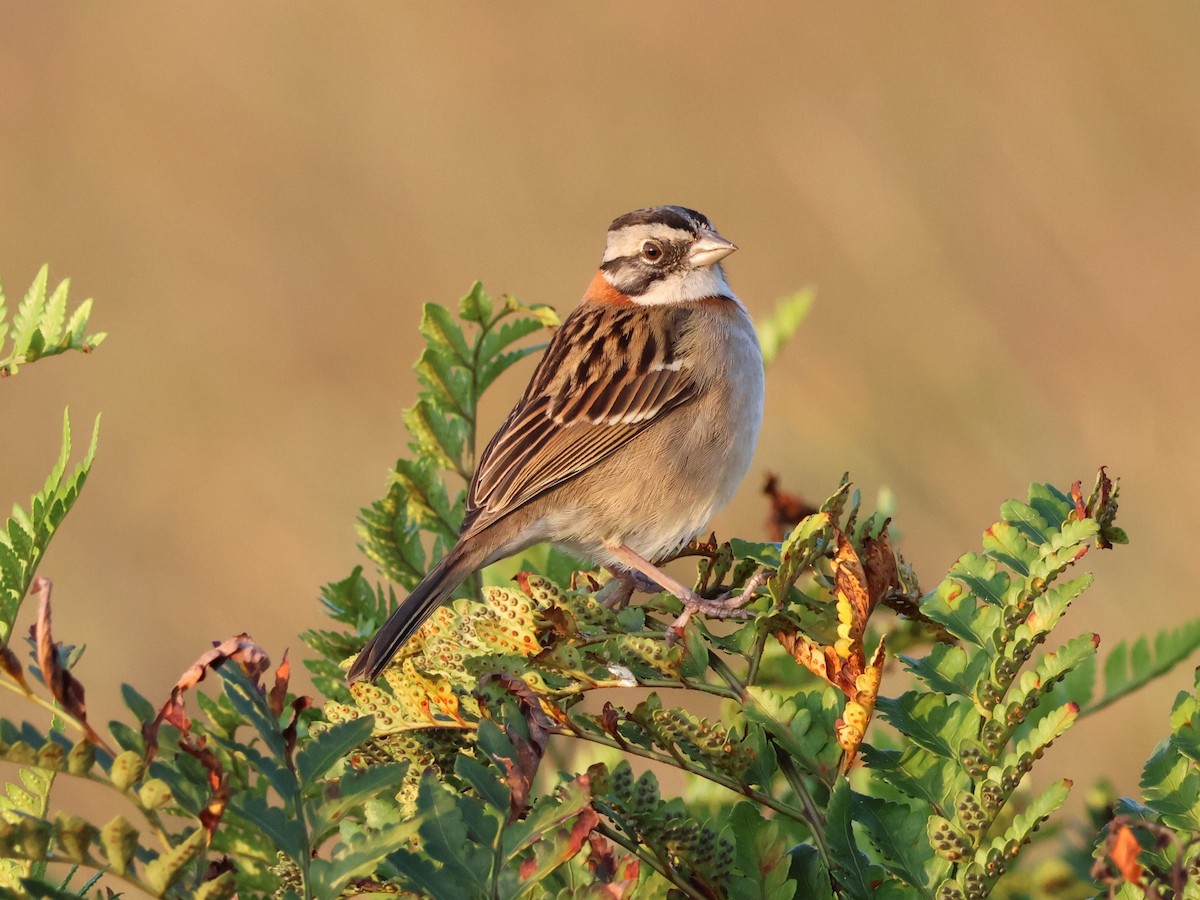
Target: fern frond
[39,327]
[27,533]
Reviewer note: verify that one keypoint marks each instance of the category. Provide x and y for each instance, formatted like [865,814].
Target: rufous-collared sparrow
[637,425]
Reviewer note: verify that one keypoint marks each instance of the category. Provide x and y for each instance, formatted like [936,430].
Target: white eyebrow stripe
[628,241]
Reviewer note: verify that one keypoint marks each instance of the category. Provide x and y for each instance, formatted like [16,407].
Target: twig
[812,814]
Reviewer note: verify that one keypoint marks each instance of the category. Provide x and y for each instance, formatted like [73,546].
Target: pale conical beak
[710,248]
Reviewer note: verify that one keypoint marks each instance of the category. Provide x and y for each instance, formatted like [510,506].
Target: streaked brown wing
[608,374]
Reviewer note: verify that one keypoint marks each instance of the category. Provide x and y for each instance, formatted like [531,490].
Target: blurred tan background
[1000,212]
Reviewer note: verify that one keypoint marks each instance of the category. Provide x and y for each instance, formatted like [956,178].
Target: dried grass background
[999,209]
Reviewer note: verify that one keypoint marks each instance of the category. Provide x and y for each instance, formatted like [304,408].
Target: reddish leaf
[1123,849]
[615,877]
[1077,496]
[584,825]
[601,860]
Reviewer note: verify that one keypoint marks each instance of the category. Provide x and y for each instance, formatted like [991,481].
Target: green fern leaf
[448,384]
[29,313]
[442,332]
[169,866]
[1128,668]
[1004,847]
[476,306]
[28,800]
[55,314]
[328,748]
[26,535]
[466,865]
[776,329]
[897,831]
[856,874]
[933,721]
[763,858]
[948,668]
[37,328]
[437,436]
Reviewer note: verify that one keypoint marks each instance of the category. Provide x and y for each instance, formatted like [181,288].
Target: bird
[637,425]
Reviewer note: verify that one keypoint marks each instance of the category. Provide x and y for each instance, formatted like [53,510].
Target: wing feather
[586,399]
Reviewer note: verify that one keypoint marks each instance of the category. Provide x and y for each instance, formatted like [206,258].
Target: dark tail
[411,614]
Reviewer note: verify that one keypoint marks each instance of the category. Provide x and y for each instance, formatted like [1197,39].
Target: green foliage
[40,326]
[437,782]
[1152,848]
[454,369]
[775,330]
[1129,667]
[27,533]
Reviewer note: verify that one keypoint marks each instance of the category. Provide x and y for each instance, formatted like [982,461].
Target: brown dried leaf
[1077,498]
[242,649]
[853,602]
[610,720]
[1102,506]
[218,781]
[879,564]
[64,686]
[845,665]
[219,867]
[520,772]
[13,668]
[821,661]
[851,728]
[786,509]
[278,695]
[289,733]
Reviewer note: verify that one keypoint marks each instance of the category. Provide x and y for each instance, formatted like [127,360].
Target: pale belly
[663,487]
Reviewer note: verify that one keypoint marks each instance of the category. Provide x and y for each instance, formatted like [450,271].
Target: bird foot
[727,606]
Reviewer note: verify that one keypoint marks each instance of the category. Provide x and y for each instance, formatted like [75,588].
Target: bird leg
[627,581]
[726,606]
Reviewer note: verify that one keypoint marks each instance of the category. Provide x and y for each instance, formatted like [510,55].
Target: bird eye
[652,251]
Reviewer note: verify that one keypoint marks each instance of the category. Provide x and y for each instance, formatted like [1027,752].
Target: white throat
[685,286]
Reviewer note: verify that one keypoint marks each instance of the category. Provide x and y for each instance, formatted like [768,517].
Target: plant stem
[714,690]
[727,674]
[812,814]
[756,655]
[497,853]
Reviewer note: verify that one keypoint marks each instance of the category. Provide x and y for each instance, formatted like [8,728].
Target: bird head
[665,254]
